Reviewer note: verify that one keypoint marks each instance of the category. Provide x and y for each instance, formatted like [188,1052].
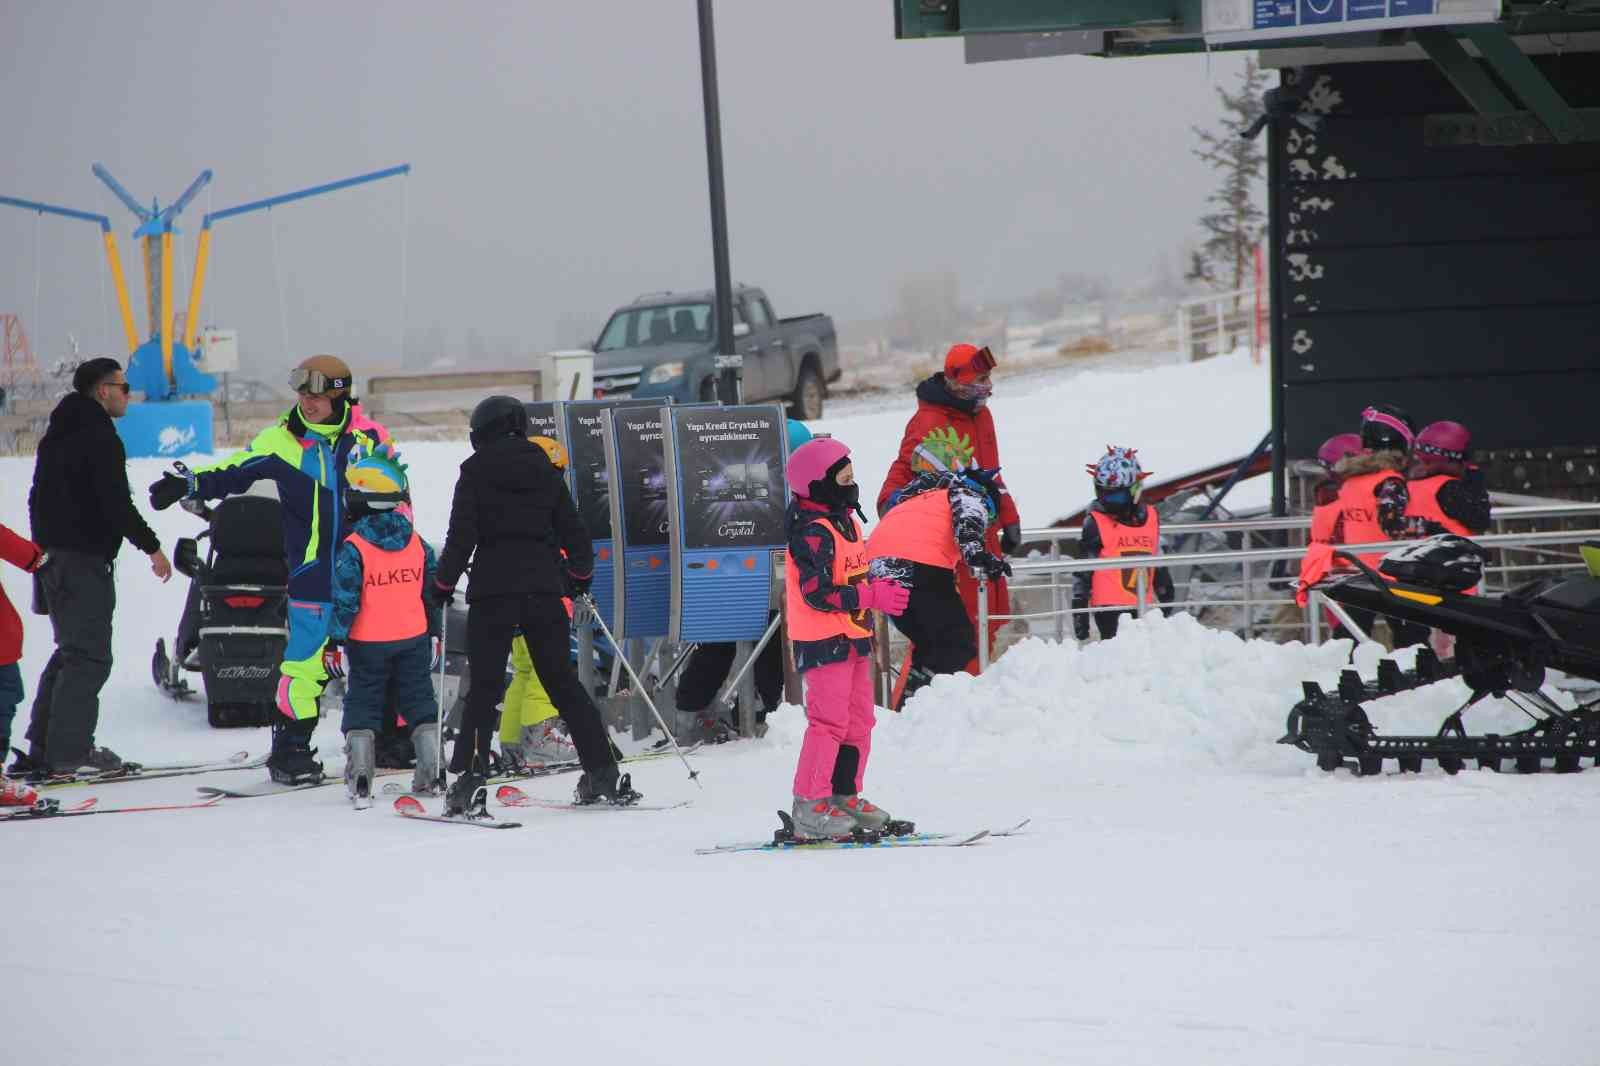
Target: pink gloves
[890,597]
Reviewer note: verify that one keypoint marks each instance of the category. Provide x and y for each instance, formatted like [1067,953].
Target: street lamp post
[728,383]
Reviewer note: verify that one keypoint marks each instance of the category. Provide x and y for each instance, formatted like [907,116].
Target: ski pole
[588,602]
[731,693]
[444,653]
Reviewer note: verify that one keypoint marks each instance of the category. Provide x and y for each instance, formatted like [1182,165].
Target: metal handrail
[1264,525]
[1055,567]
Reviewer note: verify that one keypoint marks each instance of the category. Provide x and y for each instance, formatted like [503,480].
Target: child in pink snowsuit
[827,604]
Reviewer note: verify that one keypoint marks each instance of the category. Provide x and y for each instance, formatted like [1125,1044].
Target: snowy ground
[1188,892]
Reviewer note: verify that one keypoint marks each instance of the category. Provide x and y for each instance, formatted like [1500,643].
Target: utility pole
[728,383]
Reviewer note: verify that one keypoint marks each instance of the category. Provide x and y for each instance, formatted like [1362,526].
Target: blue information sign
[166,429]
[1230,21]
[727,498]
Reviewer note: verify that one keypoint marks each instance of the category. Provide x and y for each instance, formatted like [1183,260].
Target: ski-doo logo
[244,673]
[172,440]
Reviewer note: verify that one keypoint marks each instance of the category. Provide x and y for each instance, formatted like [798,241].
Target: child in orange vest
[24,554]
[931,528]
[382,626]
[1374,498]
[1117,524]
[828,600]
[1447,494]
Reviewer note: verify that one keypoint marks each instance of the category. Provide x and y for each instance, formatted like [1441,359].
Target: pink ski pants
[839,710]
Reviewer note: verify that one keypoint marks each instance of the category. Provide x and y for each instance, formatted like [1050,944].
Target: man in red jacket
[24,554]
[958,399]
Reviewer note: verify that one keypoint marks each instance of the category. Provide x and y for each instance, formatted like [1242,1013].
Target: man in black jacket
[512,516]
[81,512]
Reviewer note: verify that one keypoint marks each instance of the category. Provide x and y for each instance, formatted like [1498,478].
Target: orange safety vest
[1425,503]
[1120,588]
[805,622]
[919,529]
[391,591]
[1359,506]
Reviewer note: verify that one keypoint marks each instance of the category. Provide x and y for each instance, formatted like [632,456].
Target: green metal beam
[1470,80]
[1526,80]
[944,18]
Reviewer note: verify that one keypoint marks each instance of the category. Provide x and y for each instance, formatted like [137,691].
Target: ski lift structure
[175,417]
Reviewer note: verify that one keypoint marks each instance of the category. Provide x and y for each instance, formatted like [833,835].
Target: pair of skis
[239,760]
[909,840]
[512,796]
[46,809]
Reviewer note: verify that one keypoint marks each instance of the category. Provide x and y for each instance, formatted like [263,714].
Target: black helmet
[1385,427]
[498,416]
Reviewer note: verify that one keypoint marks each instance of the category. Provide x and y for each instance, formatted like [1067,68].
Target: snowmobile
[1503,647]
[235,621]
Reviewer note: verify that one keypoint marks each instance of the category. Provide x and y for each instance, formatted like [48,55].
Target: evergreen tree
[1236,223]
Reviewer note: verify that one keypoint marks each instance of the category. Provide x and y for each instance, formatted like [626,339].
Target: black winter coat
[512,516]
[80,499]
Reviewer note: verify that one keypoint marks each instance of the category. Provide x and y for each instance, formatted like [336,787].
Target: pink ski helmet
[1337,447]
[811,462]
[1448,441]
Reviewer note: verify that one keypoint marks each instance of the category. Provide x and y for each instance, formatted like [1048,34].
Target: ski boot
[17,793]
[819,819]
[606,786]
[360,766]
[511,762]
[293,760]
[425,778]
[468,796]
[868,816]
[547,742]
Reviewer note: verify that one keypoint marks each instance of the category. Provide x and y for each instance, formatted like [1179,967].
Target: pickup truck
[664,344]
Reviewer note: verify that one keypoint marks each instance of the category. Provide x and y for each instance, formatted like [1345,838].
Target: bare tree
[1236,222]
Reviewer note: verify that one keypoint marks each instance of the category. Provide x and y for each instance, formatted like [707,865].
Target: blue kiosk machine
[727,497]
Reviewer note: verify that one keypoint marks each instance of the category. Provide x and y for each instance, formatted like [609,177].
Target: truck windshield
[643,327]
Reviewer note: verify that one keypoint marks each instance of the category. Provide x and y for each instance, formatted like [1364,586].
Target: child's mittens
[887,596]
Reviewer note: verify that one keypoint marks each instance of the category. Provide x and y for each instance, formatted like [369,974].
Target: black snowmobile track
[1503,646]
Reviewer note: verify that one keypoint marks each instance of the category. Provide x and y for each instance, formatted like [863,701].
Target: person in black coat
[512,517]
[81,511]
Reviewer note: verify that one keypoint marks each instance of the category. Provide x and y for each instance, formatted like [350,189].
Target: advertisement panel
[589,478]
[727,498]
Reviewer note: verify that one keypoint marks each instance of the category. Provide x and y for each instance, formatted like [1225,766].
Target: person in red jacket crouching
[957,399]
[24,554]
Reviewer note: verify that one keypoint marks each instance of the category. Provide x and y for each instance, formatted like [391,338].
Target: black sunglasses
[123,385]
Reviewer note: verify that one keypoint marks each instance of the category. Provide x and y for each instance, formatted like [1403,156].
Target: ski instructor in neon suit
[305,453]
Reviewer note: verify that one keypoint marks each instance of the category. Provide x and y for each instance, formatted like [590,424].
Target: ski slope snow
[1188,891]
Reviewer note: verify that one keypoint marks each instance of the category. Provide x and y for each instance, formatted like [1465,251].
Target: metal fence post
[1055,590]
[1314,618]
[1142,581]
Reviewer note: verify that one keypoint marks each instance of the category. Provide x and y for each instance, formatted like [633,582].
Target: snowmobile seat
[247,542]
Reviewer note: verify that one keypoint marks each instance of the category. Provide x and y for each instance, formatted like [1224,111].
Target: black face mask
[836,496]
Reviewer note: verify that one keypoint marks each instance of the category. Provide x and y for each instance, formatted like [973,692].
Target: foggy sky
[560,161]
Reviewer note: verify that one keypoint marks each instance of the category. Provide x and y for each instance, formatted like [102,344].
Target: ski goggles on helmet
[1384,418]
[314,382]
[981,362]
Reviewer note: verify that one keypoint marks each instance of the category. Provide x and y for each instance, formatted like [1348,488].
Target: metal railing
[1263,581]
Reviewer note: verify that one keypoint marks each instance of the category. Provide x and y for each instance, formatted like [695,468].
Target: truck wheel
[806,403]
